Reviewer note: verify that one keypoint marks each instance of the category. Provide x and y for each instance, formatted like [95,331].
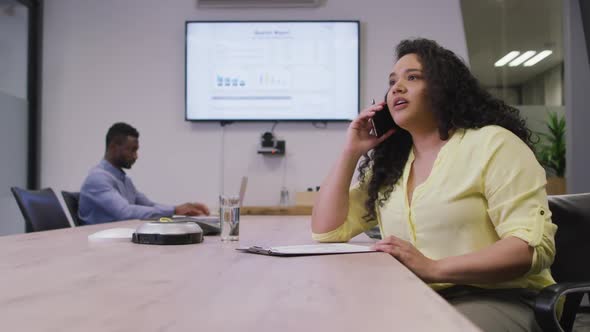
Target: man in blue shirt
[108,194]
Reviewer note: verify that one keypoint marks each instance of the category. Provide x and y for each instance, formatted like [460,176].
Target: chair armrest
[546,302]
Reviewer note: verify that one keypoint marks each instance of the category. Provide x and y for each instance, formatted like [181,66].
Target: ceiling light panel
[522,58]
[542,55]
[507,58]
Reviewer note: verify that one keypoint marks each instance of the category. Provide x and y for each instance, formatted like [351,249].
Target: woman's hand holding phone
[359,139]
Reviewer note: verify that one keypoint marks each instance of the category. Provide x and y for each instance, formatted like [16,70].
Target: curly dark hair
[458,102]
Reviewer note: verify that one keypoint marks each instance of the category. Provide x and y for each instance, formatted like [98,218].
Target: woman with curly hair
[456,190]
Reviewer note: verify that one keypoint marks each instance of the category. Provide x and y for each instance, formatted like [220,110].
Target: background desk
[58,281]
[294,210]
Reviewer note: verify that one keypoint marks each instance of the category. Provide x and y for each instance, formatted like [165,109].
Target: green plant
[551,147]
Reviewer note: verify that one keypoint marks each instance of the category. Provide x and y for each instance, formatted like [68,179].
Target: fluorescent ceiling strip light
[542,55]
[507,58]
[522,58]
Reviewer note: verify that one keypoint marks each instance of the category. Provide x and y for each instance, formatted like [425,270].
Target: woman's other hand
[358,137]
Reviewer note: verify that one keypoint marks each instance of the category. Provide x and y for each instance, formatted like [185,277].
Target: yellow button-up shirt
[485,185]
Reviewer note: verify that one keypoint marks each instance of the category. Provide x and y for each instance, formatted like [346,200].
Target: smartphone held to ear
[382,121]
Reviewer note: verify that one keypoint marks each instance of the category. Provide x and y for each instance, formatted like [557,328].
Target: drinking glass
[229,215]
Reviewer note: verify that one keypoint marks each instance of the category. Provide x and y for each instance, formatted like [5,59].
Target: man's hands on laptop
[191,209]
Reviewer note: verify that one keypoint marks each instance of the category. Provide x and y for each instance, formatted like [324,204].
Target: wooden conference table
[59,281]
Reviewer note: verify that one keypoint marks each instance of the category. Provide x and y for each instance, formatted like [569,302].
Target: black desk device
[169,232]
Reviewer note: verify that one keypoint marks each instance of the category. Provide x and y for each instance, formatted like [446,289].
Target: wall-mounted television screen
[272,71]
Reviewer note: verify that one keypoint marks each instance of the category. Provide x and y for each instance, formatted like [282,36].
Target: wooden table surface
[61,281]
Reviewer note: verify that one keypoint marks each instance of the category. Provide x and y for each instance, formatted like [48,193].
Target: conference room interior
[70,69]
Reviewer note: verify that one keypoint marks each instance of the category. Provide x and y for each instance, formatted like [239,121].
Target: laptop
[210,224]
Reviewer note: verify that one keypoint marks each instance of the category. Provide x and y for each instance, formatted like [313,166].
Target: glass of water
[229,215]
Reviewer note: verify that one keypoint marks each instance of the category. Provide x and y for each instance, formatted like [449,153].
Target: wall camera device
[269,145]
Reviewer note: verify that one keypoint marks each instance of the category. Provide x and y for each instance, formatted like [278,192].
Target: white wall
[123,60]
[545,88]
[533,91]
[510,96]
[554,86]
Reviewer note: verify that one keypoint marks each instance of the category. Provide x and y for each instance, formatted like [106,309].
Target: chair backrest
[571,214]
[41,209]
[71,199]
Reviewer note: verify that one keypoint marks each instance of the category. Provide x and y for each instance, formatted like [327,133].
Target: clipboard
[308,249]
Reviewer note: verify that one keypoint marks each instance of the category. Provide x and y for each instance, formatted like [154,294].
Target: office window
[529,29]
[19,81]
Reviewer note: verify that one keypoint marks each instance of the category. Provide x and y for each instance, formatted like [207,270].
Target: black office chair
[71,199]
[41,209]
[571,270]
